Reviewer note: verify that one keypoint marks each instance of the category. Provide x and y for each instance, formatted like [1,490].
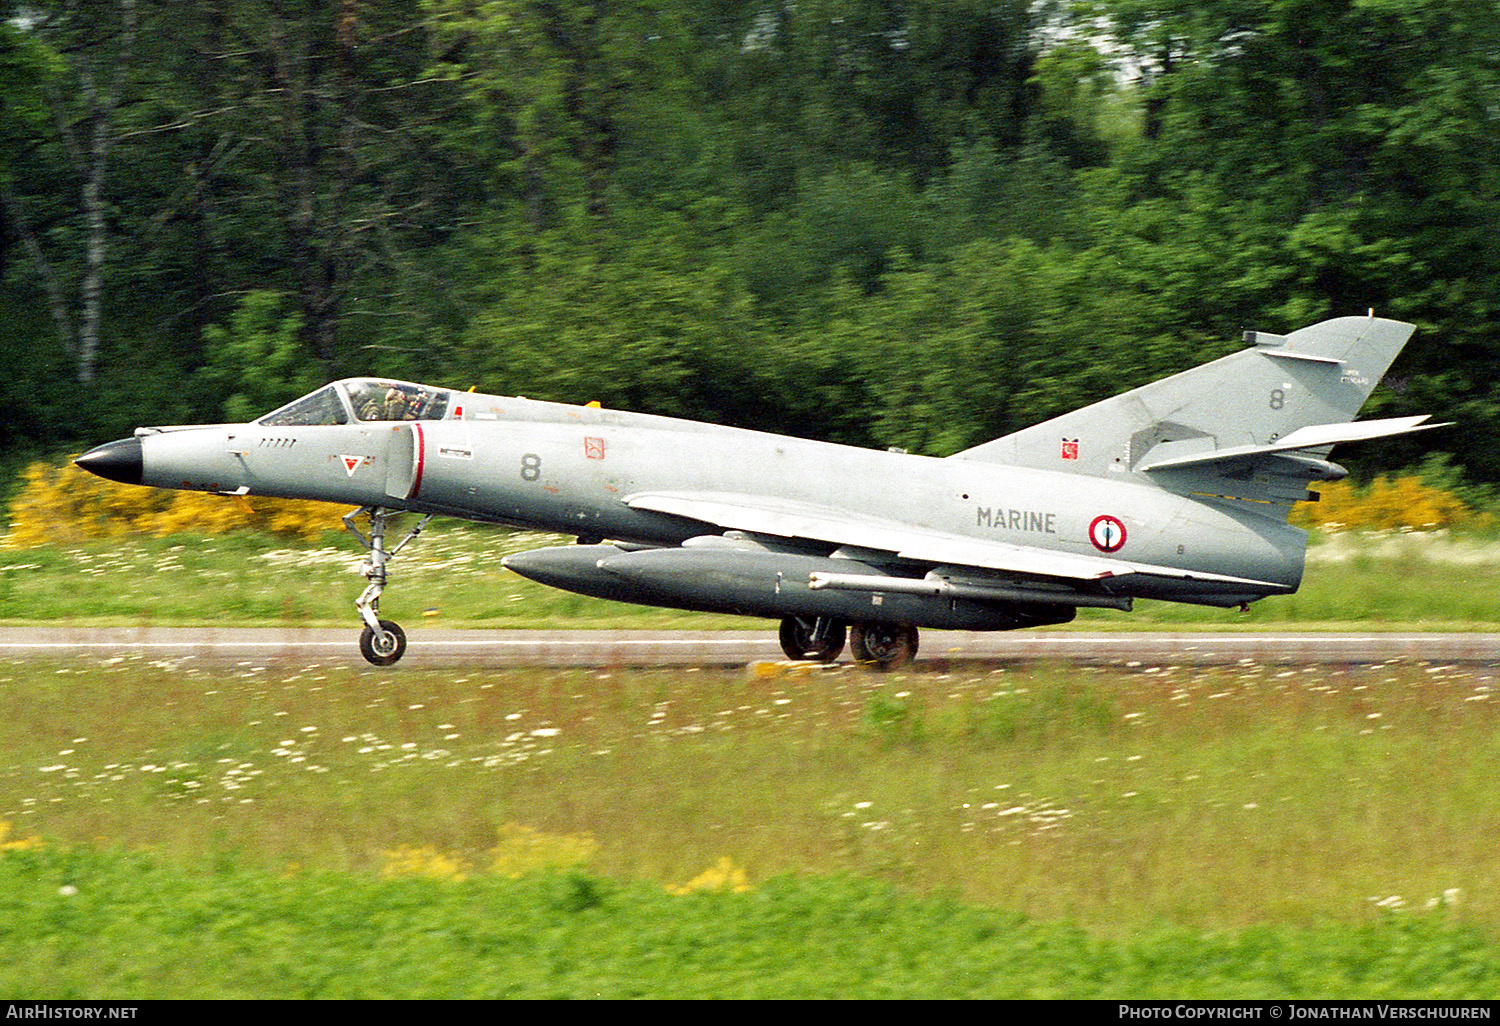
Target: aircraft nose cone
[119,461]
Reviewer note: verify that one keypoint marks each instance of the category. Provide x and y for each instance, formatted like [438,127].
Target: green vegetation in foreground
[337,830]
[136,928]
[451,576]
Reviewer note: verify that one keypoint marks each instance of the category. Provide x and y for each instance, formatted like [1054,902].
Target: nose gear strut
[383,642]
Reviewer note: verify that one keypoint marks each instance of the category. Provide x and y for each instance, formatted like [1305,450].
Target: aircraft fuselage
[572,469]
[1179,489]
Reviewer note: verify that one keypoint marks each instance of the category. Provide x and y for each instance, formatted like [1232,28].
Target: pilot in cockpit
[397,406]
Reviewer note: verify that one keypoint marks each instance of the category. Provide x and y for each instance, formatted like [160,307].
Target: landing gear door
[403,460]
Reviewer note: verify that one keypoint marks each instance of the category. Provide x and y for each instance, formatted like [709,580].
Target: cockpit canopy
[361,399]
[395,400]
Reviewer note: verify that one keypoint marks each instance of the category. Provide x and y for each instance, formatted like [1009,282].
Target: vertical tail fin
[1321,374]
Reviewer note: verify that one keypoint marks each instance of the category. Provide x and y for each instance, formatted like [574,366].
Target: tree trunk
[91,289]
[91,157]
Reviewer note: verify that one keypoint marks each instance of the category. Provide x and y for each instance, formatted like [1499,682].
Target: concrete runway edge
[438,647]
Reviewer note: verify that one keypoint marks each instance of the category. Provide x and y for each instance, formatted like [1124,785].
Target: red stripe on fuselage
[416,486]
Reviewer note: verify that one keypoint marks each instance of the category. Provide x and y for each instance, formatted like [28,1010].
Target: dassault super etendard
[1177,490]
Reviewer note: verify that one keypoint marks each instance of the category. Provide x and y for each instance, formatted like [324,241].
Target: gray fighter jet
[1177,490]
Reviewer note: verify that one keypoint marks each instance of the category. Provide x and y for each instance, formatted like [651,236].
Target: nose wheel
[382,642]
[385,646]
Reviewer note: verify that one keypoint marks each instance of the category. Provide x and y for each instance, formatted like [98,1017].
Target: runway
[441,647]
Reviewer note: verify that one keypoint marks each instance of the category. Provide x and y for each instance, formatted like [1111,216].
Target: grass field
[335,830]
[169,829]
[451,575]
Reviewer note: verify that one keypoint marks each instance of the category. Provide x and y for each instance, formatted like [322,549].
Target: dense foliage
[886,222]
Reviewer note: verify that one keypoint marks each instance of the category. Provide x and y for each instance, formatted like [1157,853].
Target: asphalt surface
[440,647]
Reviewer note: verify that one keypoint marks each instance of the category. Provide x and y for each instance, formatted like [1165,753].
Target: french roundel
[1107,533]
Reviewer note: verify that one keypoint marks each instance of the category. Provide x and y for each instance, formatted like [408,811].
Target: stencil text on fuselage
[1033,520]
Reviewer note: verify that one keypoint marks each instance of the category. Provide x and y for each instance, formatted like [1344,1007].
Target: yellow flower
[423,861]
[1386,505]
[522,849]
[63,504]
[722,876]
[20,843]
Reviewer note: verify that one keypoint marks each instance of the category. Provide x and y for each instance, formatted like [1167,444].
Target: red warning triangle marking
[351,463]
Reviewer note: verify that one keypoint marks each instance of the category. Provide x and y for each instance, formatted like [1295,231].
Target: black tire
[812,637]
[885,646]
[385,650]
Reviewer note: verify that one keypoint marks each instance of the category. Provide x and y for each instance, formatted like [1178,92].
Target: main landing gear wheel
[819,638]
[886,646]
[386,646]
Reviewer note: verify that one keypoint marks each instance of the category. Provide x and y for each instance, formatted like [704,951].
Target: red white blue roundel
[1107,533]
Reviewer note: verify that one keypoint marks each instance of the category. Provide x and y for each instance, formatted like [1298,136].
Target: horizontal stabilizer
[1315,436]
[1292,354]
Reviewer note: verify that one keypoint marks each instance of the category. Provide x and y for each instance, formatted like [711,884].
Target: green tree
[1352,143]
[810,86]
[554,90]
[257,363]
[1004,334]
[632,322]
[84,94]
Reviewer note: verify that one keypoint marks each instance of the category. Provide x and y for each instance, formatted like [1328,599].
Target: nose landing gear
[383,647]
[382,642]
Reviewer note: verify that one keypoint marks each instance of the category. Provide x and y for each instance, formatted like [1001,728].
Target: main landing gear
[383,642]
[885,646]
[819,638]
